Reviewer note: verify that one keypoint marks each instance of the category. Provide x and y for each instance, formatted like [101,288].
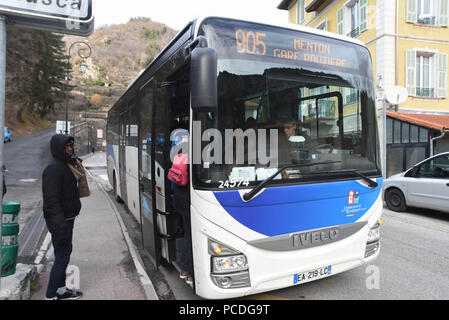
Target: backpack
[179,172]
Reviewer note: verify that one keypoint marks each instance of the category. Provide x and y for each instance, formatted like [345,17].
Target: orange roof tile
[437,122]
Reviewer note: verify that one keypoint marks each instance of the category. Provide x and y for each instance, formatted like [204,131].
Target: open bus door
[150,234]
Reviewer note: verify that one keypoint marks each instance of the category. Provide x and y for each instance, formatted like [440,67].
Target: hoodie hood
[57,146]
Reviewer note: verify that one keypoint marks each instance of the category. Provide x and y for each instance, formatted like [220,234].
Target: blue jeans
[61,237]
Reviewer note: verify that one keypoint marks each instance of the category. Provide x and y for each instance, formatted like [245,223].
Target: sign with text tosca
[62,16]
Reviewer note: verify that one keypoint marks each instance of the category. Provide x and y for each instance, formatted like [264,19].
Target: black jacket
[59,186]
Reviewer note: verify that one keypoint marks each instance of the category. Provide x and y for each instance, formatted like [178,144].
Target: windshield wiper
[249,195]
[371,183]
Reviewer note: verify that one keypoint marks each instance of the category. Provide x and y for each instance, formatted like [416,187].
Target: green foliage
[149,34]
[42,82]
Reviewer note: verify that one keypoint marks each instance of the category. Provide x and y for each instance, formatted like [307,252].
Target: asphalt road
[25,158]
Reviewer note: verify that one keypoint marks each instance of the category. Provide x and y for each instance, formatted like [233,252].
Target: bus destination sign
[294,47]
[63,16]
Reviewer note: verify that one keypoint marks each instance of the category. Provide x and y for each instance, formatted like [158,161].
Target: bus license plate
[312,275]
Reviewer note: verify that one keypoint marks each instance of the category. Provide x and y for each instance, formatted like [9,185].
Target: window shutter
[411,72]
[444,13]
[363,15]
[442,75]
[412,11]
[341,20]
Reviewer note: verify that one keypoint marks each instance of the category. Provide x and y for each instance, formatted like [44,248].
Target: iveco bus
[284,169]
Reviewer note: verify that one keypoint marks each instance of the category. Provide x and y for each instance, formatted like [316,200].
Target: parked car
[425,185]
[8,135]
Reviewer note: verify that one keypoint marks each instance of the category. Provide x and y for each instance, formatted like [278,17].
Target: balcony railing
[426,20]
[354,33]
[425,92]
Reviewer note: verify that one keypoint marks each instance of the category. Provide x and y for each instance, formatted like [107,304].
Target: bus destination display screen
[243,40]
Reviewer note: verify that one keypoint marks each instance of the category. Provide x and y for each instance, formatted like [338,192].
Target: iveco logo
[307,239]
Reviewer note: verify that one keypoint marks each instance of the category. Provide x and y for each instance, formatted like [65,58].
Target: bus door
[122,156]
[167,219]
[151,239]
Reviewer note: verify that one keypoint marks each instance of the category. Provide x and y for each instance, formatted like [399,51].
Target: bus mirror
[203,79]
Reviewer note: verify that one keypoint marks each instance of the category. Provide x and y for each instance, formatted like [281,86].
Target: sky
[177,13]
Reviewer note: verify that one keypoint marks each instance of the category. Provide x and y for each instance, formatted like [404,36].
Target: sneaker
[70,295]
[183,275]
[189,281]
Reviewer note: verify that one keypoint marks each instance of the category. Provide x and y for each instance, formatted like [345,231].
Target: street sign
[62,16]
[61,127]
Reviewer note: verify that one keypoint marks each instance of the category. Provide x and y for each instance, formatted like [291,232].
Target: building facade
[409,45]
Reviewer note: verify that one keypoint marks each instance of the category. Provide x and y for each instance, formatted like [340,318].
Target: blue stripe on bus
[110,152]
[288,209]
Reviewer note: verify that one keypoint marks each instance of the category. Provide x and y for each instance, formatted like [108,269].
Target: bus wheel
[117,198]
[395,200]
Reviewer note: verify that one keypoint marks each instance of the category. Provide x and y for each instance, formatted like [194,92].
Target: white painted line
[43,249]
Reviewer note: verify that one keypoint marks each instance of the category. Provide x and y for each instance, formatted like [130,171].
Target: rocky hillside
[119,53]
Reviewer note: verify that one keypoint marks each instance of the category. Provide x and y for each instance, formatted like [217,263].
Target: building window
[425,15]
[352,19]
[300,11]
[424,86]
[426,73]
[431,12]
[355,19]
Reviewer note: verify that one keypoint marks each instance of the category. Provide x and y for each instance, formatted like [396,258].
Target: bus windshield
[290,98]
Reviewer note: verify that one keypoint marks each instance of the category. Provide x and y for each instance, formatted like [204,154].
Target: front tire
[395,200]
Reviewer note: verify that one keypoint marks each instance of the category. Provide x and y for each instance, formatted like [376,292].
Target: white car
[425,185]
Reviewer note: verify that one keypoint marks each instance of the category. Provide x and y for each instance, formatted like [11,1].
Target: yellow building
[409,45]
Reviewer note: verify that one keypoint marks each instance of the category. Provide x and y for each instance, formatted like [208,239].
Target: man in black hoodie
[61,205]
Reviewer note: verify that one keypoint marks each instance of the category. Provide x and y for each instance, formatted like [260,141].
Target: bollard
[10,236]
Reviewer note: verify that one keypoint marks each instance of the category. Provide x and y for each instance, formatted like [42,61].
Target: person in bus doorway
[181,203]
[61,205]
[178,174]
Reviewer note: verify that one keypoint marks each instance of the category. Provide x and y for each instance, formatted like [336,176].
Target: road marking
[28,180]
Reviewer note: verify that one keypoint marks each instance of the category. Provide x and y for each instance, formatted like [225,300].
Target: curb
[145,280]
[18,285]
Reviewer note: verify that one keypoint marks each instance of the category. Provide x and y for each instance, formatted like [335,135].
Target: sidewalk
[104,263]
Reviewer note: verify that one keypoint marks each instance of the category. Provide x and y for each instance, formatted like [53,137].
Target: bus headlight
[372,244]
[373,235]
[229,268]
[229,264]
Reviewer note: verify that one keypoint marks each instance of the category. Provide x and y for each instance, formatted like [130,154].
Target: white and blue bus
[299,199]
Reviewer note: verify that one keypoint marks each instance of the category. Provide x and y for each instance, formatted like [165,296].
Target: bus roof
[290,26]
